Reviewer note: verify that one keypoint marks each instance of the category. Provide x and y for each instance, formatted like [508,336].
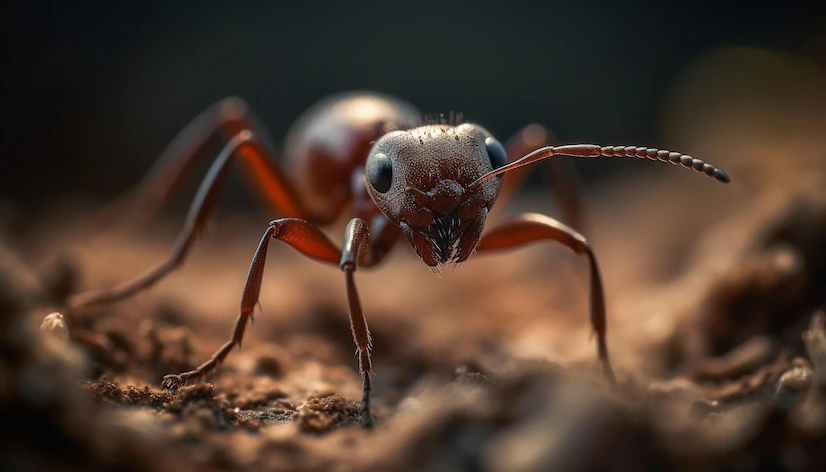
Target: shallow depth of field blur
[716,294]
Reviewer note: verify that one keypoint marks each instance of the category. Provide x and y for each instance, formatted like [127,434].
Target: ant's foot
[174,381]
[366,420]
[366,416]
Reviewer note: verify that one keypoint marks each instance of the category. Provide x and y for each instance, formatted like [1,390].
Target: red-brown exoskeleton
[432,183]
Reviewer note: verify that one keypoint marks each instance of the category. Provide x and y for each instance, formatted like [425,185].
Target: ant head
[420,180]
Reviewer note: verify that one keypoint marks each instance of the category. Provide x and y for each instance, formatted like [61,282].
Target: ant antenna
[592,150]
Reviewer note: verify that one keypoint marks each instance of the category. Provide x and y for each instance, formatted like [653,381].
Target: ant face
[420,178]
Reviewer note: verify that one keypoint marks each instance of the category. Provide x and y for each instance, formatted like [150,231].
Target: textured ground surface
[715,296]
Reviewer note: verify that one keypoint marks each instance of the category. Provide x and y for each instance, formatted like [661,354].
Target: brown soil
[716,328]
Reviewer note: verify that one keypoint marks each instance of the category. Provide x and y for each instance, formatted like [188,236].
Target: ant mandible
[433,183]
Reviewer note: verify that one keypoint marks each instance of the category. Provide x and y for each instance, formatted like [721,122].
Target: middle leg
[246,146]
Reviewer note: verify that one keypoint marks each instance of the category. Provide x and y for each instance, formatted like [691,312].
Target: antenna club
[662,155]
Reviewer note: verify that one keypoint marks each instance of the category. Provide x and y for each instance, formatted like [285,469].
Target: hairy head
[419,179]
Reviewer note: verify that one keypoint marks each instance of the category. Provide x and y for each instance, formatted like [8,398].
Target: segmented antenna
[592,150]
[674,158]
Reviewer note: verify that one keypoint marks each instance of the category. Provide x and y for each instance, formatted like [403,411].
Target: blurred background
[716,294]
[91,95]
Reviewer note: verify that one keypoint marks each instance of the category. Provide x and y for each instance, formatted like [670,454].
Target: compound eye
[496,153]
[380,172]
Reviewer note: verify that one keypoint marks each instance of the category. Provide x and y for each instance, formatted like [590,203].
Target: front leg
[310,241]
[358,251]
[532,227]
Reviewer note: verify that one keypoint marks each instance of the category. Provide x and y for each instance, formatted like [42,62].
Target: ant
[433,183]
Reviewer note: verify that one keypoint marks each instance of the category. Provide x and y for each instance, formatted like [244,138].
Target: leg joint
[275,228]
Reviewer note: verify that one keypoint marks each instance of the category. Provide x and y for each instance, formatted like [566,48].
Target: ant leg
[565,182]
[531,227]
[359,250]
[245,145]
[301,235]
[179,160]
[310,241]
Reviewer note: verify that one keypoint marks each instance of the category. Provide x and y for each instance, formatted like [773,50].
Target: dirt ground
[715,293]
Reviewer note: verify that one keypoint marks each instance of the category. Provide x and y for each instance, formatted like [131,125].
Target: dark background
[91,95]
